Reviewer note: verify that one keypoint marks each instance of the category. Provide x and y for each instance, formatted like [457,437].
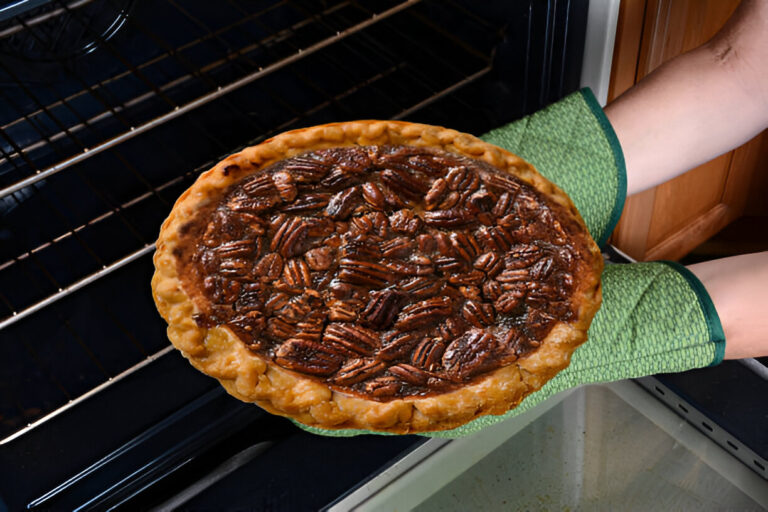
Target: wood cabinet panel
[687,197]
[673,218]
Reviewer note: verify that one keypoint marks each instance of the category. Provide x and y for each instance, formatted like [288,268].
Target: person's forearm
[697,106]
[738,287]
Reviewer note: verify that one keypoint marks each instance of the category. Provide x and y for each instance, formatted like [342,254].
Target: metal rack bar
[63,292]
[193,71]
[86,395]
[105,43]
[329,99]
[55,210]
[424,79]
[71,231]
[445,92]
[178,110]
[41,18]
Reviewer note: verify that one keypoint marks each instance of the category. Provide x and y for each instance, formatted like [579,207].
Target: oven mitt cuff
[655,318]
[572,144]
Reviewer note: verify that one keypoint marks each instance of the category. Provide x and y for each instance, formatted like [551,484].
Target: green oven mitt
[572,144]
[655,317]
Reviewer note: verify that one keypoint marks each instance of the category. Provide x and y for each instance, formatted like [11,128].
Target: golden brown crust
[219,353]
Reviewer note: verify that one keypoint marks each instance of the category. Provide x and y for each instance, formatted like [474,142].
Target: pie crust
[249,376]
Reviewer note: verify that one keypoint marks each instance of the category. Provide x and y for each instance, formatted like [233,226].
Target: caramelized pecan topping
[386,271]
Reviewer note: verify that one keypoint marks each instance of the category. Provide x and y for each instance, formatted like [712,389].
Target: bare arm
[688,111]
[739,288]
[698,105]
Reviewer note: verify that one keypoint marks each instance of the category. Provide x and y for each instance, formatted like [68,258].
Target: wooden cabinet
[670,220]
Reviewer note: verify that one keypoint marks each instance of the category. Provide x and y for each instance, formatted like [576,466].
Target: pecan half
[462,180]
[276,301]
[382,309]
[373,196]
[398,345]
[279,329]
[295,310]
[451,218]
[342,203]
[435,193]
[428,353]
[358,370]
[410,374]
[286,188]
[306,169]
[288,237]
[502,182]
[251,204]
[473,277]
[495,238]
[397,247]
[344,310]
[353,337]
[307,357]
[479,314]
[404,183]
[490,263]
[384,386]
[319,258]
[504,204]
[234,268]
[465,246]
[363,272]
[419,287]
[470,354]
[423,313]
[307,202]
[514,276]
[236,249]
[522,256]
[509,301]
[296,274]
[260,184]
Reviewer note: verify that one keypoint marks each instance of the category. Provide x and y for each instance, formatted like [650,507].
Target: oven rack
[85,157]
[63,289]
[174,111]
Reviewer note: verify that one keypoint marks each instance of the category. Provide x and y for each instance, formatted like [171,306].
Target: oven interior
[109,110]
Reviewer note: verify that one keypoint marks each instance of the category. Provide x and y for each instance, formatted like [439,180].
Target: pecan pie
[379,275]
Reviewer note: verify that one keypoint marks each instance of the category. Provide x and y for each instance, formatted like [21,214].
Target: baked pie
[378,275]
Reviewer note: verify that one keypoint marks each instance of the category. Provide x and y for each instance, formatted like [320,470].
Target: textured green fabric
[655,317]
[572,144]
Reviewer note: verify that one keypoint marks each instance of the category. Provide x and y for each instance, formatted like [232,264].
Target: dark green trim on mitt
[714,326]
[618,158]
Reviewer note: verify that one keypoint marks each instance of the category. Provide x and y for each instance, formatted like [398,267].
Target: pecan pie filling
[384,271]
